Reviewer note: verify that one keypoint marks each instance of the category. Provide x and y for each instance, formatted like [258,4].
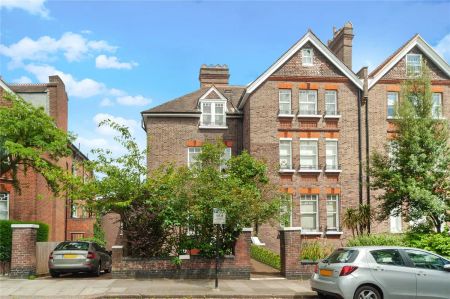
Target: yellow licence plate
[70,256]
[325,272]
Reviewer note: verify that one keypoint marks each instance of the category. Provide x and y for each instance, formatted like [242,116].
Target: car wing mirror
[447,267]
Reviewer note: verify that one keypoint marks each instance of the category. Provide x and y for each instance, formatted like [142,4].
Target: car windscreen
[342,255]
[73,246]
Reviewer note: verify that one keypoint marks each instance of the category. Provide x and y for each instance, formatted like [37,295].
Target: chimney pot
[341,44]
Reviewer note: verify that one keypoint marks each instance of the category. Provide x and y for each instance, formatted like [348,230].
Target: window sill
[213,127]
[312,233]
[334,233]
[310,171]
[309,115]
[329,116]
[287,171]
[281,115]
[333,170]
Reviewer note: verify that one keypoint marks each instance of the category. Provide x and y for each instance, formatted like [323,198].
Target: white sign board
[219,216]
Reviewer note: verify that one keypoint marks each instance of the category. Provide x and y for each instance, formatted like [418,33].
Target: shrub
[377,240]
[94,239]
[265,256]
[6,236]
[315,251]
[436,242]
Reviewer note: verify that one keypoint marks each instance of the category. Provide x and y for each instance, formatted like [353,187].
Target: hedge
[6,236]
[265,256]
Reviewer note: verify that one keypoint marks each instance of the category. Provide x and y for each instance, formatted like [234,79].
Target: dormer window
[413,64]
[213,114]
[307,57]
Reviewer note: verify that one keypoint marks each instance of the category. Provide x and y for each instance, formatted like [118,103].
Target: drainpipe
[366,97]
[360,179]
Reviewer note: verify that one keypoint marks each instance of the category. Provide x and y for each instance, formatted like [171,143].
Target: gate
[43,250]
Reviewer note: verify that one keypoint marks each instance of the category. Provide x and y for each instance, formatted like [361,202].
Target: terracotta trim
[437,88]
[309,191]
[310,79]
[331,135]
[333,191]
[228,143]
[309,135]
[331,87]
[393,88]
[284,135]
[194,143]
[303,86]
[285,85]
[309,129]
[397,81]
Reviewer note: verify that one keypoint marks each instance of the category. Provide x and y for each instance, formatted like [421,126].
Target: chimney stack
[217,75]
[341,44]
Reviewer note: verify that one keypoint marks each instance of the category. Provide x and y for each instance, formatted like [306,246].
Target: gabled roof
[315,41]
[213,90]
[188,104]
[5,86]
[391,61]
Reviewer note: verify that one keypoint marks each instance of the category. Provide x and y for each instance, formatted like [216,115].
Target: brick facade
[23,257]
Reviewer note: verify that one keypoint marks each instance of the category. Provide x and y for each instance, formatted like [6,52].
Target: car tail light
[346,270]
[50,257]
[316,268]
[91,255]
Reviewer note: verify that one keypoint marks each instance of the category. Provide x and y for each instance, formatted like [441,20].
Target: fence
[43,250]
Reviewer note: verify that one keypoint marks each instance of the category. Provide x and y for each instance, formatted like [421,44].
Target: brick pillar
[242,252]
[117,255]
[23,253]
[289,252]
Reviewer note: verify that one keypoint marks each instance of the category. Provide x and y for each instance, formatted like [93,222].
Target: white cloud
[91,143]
[106,102]
[112,62]
[23,80]
[443,47]
[105,130]
[84,88]
[133,100]
[117,92]
[34,7]
[74,47]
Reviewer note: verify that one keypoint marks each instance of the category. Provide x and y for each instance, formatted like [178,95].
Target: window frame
[308,92]
[411,261]
[5,196]
[336,212]
[281,140]
[190,163]
[213,114]
[289,211]
[280,92]
[439,94]
[403,259]
[336,143]
[335,112]
[227,154]
[310,56]
[395,104]
[409,67]
[394,220]
[316,141]
[303,198]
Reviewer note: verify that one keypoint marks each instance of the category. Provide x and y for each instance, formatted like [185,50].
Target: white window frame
[227,153]
[412,67]
[335,103]
[395,223]
[74,211]
[309,198]
[307,57]
[192,150]
[286,140]
[438,96]
[391,102]
[280,102]
[333,198]
[283,211]
[309,93]
[336,146]
[213,114]
[4,196]
[308,140]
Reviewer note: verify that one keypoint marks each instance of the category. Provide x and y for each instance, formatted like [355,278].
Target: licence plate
[70,256]
[325,272]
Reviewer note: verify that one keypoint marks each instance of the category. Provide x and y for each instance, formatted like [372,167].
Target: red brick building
[36,202]
[306,117]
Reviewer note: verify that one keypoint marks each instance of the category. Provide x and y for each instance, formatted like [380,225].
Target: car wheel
[54,274]
[367,292]
[98,269]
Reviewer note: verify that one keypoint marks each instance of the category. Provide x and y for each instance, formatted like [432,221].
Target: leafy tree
[414,171]
[29,139]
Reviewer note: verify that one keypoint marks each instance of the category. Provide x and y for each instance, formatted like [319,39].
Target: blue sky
[118,58]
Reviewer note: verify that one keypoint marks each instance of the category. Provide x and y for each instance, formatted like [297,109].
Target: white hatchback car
[382,272]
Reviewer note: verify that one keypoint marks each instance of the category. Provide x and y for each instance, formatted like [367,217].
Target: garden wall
[196,267]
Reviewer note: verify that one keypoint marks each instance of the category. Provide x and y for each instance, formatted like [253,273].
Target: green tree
[29,139]
[414,171]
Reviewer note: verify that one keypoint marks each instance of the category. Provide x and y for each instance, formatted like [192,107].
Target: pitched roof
[189,102]
[391,61]
[313,39]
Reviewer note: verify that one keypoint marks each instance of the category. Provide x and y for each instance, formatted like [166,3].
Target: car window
[72,246]
[388,257]
[425,260]
[342,255]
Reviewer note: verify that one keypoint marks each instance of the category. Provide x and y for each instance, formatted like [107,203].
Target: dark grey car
[79,256]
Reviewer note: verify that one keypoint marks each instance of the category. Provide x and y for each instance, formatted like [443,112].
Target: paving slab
[153,288]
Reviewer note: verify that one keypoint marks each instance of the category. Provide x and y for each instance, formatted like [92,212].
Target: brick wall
[23,257]
[231,267]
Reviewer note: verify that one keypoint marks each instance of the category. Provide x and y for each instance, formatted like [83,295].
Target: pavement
[87,287]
